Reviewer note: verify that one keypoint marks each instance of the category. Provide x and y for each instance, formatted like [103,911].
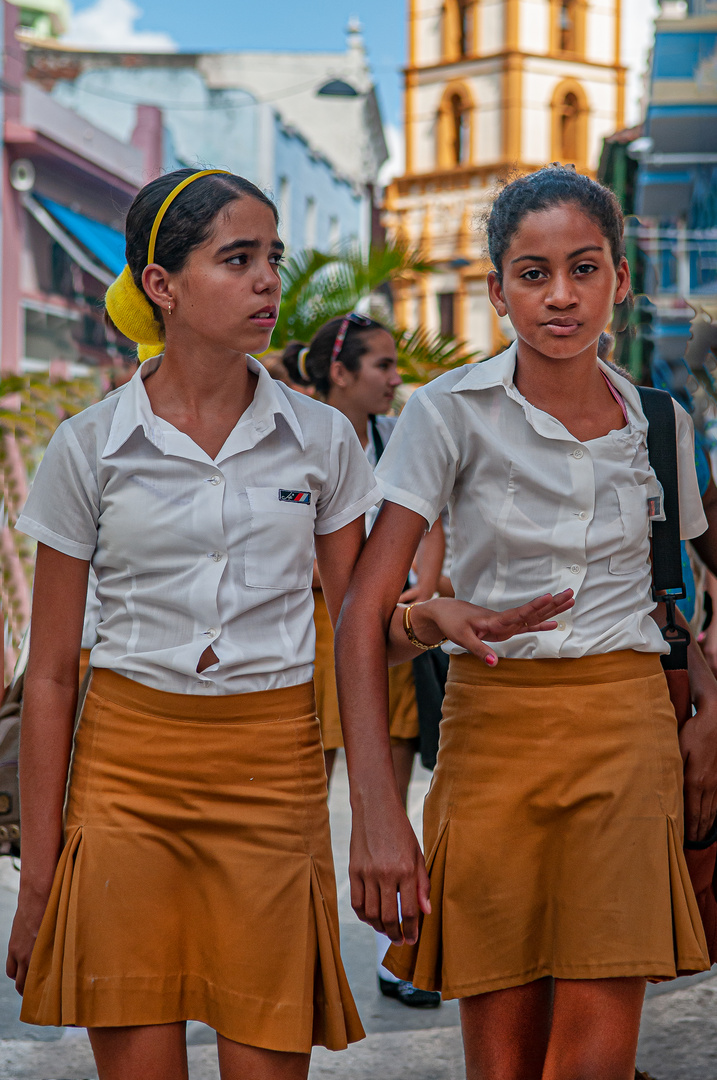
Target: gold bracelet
[410,634]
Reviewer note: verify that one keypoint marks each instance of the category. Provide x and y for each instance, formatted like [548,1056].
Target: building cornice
[456,178]
[503,56]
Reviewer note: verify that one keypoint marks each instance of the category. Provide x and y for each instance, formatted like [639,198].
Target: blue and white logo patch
[303,497]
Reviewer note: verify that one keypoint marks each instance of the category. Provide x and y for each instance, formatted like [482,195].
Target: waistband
[621,666]
[285,703]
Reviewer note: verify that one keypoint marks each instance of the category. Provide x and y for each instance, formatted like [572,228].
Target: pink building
[66,187]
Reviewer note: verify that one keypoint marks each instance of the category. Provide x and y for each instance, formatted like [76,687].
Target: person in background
[351,364]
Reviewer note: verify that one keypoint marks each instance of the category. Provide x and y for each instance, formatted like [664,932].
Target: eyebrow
[543,258]
[236,245]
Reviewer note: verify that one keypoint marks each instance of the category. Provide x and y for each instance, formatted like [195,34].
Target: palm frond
[317,287]
[423,354]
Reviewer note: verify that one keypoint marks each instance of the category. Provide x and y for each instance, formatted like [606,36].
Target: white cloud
[395,165]
[110,25]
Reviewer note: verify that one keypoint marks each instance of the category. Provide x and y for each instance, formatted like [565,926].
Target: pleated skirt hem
[187,894]
[553,833]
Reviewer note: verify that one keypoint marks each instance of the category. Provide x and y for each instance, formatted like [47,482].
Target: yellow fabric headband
[127,305]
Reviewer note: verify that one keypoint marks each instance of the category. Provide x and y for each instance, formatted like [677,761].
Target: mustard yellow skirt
[197,879]
[403,710]
[553,829]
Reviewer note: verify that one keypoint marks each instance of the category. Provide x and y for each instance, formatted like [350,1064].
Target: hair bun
[131,312]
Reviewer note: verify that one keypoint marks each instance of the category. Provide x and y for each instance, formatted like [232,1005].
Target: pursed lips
[562,327]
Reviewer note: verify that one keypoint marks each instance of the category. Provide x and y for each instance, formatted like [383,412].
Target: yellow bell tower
[491,87]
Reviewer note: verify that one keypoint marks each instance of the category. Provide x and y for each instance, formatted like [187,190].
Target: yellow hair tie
[127,305]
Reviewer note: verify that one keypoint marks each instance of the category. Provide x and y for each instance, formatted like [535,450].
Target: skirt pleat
[197,877]
[553,829]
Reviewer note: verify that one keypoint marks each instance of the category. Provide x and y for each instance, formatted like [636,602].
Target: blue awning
[106,244]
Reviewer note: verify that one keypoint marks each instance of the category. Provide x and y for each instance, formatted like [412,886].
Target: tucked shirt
[534,510]
[191,551]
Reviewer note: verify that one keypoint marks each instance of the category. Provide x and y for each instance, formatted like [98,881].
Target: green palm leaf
[317,287]
[423,354]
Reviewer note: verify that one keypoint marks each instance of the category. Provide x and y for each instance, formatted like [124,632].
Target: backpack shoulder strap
[667,580]
[662,452]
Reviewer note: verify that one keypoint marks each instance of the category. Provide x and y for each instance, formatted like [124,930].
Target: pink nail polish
[491,660]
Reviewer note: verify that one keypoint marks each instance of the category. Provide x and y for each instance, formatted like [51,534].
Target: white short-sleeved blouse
[533,510]
[191,551]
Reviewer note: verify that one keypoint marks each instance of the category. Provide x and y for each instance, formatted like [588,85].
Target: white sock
[382,944]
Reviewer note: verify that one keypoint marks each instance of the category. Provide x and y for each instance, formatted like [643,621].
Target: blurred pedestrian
[553,828]
[351,363]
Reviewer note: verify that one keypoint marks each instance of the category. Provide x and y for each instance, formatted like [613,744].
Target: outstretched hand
[470,626]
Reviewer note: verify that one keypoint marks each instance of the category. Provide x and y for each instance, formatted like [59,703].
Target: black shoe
[408,994]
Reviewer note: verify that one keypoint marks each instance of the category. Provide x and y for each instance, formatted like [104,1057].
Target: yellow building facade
[491,87]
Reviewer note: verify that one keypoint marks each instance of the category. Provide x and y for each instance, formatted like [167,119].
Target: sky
[303,25]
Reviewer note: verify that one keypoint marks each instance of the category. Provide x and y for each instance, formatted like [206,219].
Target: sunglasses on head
[357,320]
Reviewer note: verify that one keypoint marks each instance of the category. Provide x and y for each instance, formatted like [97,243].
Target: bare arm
[50,700]
[427,564]
[336,555]
[706,545]
[385,856]
[709,645]
[698,740]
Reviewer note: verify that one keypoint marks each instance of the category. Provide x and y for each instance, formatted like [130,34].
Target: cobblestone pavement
[678,1039]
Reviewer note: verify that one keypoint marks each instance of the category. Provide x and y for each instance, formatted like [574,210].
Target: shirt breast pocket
[633,526]
[280,548]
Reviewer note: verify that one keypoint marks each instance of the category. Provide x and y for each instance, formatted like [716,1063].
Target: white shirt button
[215,480]
[575,569]
[211,632]
[561,626]
[216,556]
[578,453]
[582,515]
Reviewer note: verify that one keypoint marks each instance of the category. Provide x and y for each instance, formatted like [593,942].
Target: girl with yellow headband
[190,875]
[193,878]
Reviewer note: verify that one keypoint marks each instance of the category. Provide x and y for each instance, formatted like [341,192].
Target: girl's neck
[198,379]
[355,413]
[547,382]
[572,390]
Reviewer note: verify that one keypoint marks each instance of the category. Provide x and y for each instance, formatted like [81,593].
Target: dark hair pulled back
[187,222]
[554,185]
[317,362]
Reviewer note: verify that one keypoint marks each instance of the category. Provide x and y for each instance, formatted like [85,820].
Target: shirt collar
[500,369]
[134,410]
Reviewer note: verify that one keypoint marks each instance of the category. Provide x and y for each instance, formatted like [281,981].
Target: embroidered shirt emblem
[295,496]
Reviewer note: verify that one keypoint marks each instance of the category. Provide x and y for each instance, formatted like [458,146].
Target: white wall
[491,30]
[600,31]
[427,31]
[535,25]
[479,320]
[539,82]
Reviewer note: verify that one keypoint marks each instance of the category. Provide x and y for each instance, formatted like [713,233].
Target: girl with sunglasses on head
[553,828]
[352,365]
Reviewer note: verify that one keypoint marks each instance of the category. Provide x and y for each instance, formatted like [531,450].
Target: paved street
[678,1041]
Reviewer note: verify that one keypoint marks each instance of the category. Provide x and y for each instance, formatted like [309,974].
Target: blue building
[676,183]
